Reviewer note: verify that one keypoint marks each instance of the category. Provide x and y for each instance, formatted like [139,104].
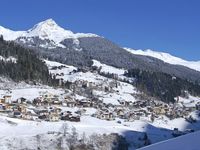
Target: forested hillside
[106,52]
[161,85]
[21,64]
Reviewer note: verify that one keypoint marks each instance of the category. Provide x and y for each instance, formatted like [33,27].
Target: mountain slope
[50,41]
[167,58]
[21,64]
[186,142]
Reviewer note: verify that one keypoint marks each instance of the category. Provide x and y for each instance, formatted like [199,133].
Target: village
[110,95]
[51,107]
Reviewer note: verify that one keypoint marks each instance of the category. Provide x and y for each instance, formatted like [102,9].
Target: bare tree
[83,138]
[64,129]
[72,140]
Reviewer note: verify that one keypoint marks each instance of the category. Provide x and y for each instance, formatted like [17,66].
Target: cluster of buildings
[146,109]
[45,107]
[49,106]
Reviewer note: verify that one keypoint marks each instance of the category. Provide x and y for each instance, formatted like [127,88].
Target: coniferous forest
[28,67]
[162,85]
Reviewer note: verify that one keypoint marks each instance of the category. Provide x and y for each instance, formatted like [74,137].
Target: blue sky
[171,26]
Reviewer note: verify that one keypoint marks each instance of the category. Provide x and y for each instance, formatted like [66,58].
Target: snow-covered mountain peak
[166,57]
[49,22]
[46,25]
[47,29]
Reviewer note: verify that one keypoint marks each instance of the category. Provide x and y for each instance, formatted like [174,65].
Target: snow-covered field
[122,92]
[20,130]
[29,93]
[108,69]
[185,142]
